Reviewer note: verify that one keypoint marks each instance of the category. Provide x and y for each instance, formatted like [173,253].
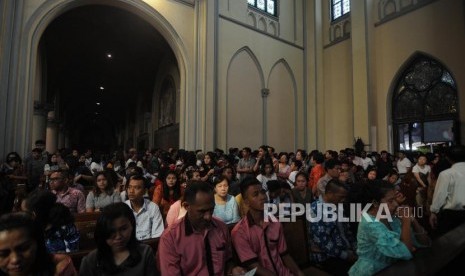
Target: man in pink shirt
[198,243]
[261,244]
[70,197]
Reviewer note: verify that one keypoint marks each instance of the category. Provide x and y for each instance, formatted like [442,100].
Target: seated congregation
[216,214]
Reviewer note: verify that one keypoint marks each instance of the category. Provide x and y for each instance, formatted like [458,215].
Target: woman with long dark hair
[118,251]
[168,192]
[23,250]
[103,193]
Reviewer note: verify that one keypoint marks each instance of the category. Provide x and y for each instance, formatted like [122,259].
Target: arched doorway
[33,59]
[100,67]
[424,105]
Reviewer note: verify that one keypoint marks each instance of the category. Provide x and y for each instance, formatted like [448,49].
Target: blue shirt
[229,212]
[329,239]
[378,247]
[63,239]
[149,222]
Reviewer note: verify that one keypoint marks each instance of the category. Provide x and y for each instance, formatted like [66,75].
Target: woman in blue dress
[387,232]
[226,207]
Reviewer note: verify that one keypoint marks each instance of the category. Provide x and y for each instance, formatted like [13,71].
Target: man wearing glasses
[70,197]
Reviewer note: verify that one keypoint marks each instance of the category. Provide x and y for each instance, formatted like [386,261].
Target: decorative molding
[339,30]
[190,3]
[336,41]
[261,32]
[271,22]
[392,9]
[265,92]
[42,109]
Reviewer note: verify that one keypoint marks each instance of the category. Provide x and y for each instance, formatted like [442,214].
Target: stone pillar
[61,136]
[265,93]
[39,122]
[51,142]
[67,145]
[361,95]
[203,129]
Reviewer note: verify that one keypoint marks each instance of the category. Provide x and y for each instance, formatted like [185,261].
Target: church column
[67,145]
[360,70]
[61,136]
[15,104]
[51,142]
[206,48]
[39,122]
[265,93]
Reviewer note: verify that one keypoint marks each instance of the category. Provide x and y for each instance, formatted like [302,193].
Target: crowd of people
[192,199]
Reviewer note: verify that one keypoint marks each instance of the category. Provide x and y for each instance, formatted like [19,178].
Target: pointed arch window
[269,7]
[424,105]
[339,8]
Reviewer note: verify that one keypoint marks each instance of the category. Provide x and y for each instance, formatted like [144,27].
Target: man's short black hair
[137,177]
[246,183]
[273,185]
[194,188]
[333,186]
[456,153]
[319,157]
[331,163]
[39,142]
[64,173]
[297,163]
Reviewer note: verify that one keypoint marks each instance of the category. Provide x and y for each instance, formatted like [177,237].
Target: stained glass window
[339,8]
[266,6]
[424,105]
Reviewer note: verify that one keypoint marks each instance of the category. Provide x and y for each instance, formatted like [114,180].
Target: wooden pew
[297,241]
[296,235]
[446,254]
[85,223]
[86,216]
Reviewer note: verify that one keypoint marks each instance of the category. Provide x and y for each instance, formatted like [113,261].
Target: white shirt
[96,167]
[425,170]
[149,222]
[366,162]
[291,179]
[449,192]
[263,179]
[403,164]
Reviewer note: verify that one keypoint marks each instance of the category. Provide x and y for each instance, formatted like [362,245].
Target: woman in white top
[267,173]
[422,173]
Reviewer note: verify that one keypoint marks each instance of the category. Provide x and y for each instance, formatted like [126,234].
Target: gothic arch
[422,100]
[41,19]
[254,59]
[292,100]
[243,65]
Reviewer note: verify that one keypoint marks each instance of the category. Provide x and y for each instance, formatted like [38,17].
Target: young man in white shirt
[149,222]
[449,194]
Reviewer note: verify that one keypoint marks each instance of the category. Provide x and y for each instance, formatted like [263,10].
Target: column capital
[265,92]
[42,108]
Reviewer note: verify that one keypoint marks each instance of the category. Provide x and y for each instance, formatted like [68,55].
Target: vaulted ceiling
[76,46]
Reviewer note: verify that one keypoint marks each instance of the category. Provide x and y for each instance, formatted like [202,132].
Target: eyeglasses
[56,179]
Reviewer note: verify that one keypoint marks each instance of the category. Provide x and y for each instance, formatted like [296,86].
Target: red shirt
[183,251]
[264,245]
[315,174]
